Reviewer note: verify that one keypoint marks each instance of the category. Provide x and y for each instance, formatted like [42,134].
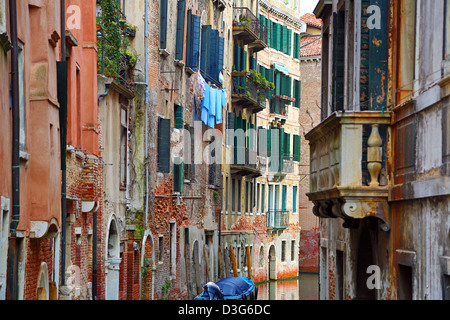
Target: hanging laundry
[201,84]
[212,108]
[206,104]
[219,106]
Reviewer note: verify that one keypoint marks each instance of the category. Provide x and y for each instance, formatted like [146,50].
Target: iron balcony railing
[244,17]
[112,44]
[277,219]
[245,89]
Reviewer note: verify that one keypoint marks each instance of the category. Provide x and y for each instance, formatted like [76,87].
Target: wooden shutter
[281,147]
[269,142]
[205,48]
[294,199]
[213,55]
[289,42]
[163,24]
[287,145]
[297,93]
[164,145]
[178,176]
[231,118]
[179,45]
[297,147]
[221,52]
[269,77]
[179,117]
[338,61]
[193,41]
[283,198]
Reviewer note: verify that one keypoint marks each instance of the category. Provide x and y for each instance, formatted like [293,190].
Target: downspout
[62,98]
[12,288]
[146,115]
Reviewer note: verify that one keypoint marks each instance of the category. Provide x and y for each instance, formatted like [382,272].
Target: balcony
[348,167]
[278,173]
[279,110]
[277,219]
[247,27]
[245,163]
[246,92]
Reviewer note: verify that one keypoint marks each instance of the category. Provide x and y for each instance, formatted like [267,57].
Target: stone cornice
[281,13]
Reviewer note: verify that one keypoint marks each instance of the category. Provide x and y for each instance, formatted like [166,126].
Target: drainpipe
[12,250]
[62,98]
[146,115]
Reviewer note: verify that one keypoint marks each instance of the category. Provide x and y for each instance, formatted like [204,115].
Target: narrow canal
[306,287]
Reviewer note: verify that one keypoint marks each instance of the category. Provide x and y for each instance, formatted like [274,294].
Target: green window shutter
[163,24]
[269,32]
[164,145]
[294,199]
[179,45]
[178,175]
[279,33]
[283,198]
[285,39]
[269,77]
[287,146]
[179,121]
[269,142]
[289,43]
[297,40]
[281,148]
[297,93]
[297,148]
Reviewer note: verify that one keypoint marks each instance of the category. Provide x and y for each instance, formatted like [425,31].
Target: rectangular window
[226,188]
[283,251]
[258,198]
[247,197]
[181,13]
[293,255]
[294,199]
[161,248]
[339,275]
[173,248]
[123,146]
[406,32]
[164,145]
[446,284]
[405,283]
[239,207]
[22,132]
[263,196]
[233,195]
[163,24]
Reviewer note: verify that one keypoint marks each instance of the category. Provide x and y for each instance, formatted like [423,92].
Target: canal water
[306,287]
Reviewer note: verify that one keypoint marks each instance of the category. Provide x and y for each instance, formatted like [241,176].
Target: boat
[233,288]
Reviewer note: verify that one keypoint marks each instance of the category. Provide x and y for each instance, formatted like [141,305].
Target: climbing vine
[114,57]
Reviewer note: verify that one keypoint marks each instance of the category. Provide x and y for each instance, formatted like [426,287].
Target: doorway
[272,263]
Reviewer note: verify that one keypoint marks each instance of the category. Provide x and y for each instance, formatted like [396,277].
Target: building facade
[310,58]
[379,158]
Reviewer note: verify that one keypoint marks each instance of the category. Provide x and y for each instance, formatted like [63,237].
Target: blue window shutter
[195,42]
[179,45]
[213,55]
[221,49]
[206,39]
[163,24]
[164,145]
[188,38]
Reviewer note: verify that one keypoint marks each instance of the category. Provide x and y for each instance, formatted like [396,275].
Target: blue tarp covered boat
[230,289]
